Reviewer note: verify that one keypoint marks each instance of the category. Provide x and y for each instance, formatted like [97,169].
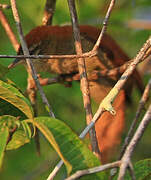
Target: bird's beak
[14,63]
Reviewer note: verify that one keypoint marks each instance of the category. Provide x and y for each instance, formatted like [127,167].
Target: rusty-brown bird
[57,40]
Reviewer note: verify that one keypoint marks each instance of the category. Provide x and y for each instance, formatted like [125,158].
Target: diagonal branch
[104,28]
[138,112]
[129,150]
[31,68]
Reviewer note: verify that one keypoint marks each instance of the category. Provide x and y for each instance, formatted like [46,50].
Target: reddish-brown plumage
[59,40]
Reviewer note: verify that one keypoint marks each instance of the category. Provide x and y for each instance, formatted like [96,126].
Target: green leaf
[4,133]
[19,138]
[67,144]
[20,134]
[7,108]
[13,96]
[9,121]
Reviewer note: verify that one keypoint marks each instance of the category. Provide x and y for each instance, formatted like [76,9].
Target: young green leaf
[16,98]
[18,139]
[9,121]
[67,144]
[4,133]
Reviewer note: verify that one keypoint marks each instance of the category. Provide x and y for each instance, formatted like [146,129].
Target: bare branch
[55,170]
[8,30]
[71,56]
[31,68]
[104,28]
[130,148]
[138,112]
[48,12]
[83,75]
[93,170]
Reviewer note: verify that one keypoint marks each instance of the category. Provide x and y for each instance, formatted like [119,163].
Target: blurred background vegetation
[67,104]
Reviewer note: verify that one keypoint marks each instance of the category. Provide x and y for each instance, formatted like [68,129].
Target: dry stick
[83,76]
[129,150]
[48,12]
[71,56]
[28,61]
[8,30]
[104,28]
[93,170]
[138,112]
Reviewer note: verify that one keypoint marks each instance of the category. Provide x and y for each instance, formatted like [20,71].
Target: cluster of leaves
[15,131]
[17,127]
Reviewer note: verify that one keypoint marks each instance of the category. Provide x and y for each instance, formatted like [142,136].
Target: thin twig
[138,112]
[28,61]
[131,171]
[105,22]
[94,170]
[9,31]
[83,76]
[130,148]
[48,12]
[71,56]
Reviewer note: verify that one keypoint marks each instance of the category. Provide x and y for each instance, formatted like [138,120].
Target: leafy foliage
[68,145]
[16,98]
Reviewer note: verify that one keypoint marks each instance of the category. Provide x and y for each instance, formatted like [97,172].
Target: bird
[59,40]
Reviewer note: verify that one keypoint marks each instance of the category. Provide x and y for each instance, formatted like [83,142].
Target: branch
[104,28]
[129,150]
[71,56]
[138,112]
[83,75]
[8,30]
[31,68]
[48,12]
[94,170]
